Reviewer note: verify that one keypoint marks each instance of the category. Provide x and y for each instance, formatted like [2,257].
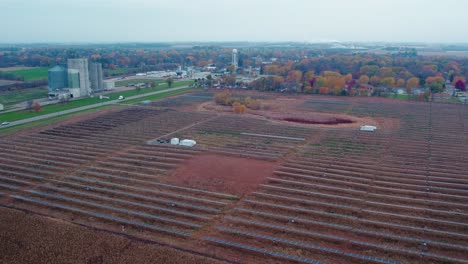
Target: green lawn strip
[147,81]
[22,95]
[50,120]
[31,74]
[113,72]
[23,114]
[135,81]
[159,96]
[133,92]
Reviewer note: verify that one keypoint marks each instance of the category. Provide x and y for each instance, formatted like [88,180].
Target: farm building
[57,78]
[108,85]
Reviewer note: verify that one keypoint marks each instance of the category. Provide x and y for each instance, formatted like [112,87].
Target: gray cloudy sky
[233,20]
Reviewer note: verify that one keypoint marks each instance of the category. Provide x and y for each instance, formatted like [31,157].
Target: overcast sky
[233,20]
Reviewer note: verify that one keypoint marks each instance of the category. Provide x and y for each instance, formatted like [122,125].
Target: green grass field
[159,96]
[115,72]
[31,74]
[22,95]
[18,115]
[400,96]
[130,81]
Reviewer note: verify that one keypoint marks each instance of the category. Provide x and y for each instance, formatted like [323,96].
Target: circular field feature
[322,121]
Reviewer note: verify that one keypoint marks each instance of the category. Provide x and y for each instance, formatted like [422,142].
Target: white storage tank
[187,142]
[368,128]
[175,141]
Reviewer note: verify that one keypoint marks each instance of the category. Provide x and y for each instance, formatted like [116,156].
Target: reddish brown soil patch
[220,173]
[333,121]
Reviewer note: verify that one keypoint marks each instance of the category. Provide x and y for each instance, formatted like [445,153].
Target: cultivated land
[293,183]
[32,74]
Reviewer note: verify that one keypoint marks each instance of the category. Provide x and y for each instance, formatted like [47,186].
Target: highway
[69,111]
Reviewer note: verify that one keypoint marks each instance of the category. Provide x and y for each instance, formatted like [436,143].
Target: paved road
[69,111]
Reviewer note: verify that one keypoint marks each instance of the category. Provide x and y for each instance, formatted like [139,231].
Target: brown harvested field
[29,238]
[255,189]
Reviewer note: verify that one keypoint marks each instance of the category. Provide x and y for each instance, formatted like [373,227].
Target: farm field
[32,74]
[293,182]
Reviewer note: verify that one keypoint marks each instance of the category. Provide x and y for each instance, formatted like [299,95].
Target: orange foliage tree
[324,90]
[412,83]
[238,108]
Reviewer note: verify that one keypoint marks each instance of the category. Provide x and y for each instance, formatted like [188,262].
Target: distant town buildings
[78,79]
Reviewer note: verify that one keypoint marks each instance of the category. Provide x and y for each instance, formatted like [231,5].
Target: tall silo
[95,77]
[73,78]
[57,78]
[82,66]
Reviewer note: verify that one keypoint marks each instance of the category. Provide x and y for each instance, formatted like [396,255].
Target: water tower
[234,58]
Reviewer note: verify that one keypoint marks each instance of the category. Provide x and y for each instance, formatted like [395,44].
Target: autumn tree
[460,85]
[374,80]
[348,77]
[388,82]
[238,108]
[37,107]
[294,76]
[436,84]
[223,98]
[364,79]
[251,103]
[320,82]
[369,70]
[412,83]
[229,80]
[324,90]
[242,108]
[350,84]
[400,83]
[309,75]
[272,83]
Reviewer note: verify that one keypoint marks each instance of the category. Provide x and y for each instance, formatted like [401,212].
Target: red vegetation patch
[220,173]
[333,121]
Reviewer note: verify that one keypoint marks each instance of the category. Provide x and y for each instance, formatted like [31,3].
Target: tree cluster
[236,101]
